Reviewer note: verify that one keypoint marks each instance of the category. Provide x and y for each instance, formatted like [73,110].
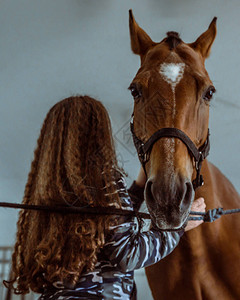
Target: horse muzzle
[169,201]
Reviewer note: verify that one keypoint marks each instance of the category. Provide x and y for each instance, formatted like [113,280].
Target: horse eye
[136,93]
[209,93]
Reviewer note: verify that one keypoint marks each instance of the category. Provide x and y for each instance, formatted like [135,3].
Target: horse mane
[173,39]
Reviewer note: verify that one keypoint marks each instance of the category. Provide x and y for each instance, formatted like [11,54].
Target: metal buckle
[201,181]
[143,156]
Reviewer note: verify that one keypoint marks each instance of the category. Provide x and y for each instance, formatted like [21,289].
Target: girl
[69,256]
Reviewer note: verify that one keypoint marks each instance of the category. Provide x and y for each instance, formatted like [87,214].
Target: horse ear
[140,41]
[204,43]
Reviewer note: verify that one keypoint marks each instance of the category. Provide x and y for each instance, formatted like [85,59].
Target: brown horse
[172,89]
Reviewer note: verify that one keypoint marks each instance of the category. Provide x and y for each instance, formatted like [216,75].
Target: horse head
[172,89]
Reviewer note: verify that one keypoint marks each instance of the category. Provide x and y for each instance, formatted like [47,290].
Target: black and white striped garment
[126,249]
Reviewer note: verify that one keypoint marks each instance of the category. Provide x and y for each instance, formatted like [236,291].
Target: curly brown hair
[74,164]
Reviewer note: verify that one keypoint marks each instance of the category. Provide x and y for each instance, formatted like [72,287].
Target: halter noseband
[144,149]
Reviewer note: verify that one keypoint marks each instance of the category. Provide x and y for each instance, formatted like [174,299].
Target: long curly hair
[74,164]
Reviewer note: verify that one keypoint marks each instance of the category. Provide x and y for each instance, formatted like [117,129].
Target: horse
[172,91]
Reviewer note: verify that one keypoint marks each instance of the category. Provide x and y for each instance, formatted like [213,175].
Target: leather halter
[144,149]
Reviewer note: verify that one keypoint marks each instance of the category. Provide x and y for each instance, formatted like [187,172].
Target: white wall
[53,49]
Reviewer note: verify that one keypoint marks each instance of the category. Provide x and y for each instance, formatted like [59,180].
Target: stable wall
[53,49]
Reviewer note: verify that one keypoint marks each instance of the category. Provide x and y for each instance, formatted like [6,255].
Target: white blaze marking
[172,73]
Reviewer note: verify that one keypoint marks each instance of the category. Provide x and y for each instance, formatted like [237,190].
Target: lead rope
[212,214]
[209,216]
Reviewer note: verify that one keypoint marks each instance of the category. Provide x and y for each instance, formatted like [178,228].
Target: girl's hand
[141,179]
[199,206]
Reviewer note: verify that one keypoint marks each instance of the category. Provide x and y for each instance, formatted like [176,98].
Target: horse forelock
[173,39]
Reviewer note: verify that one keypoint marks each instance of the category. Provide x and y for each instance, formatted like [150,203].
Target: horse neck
[217,189]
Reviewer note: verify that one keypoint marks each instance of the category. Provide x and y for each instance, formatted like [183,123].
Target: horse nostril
[148,187]
[148,192]
[187,197]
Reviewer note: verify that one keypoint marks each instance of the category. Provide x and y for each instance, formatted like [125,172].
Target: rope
[212,214]
[209,216]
